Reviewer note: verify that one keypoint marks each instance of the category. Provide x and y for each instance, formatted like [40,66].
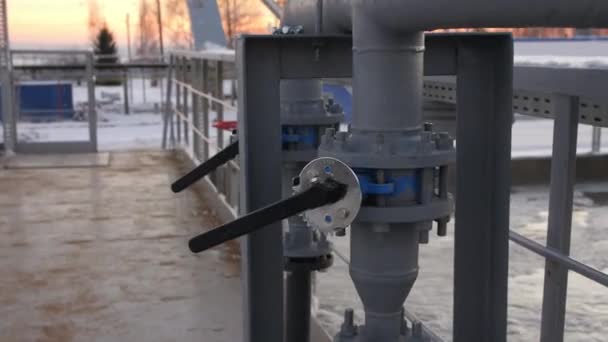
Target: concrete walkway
[100,254]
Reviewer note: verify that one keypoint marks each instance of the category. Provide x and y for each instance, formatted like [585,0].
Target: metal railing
[570,97]
[198,79]
[198,82]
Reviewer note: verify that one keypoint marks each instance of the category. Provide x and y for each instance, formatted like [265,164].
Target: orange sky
[62,23]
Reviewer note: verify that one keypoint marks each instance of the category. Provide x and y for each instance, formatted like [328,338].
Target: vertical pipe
[483,181]
[298,297]
[563,174]
[387,77]
[298,281]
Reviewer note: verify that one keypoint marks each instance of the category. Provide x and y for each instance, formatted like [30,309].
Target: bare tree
[147,45]
[239,16]
[177,24]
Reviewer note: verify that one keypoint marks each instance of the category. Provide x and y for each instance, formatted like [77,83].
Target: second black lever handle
[320,194]
[221,158]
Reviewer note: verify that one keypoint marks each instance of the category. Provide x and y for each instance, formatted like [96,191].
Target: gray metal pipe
[417,15]
[422,15]
[387,77]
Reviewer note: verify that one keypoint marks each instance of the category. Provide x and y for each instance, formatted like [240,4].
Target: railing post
[178,97]
[563,174]
[221,175]
[125,90]
[205,90]
[168,110]
[92,112]
[219,93]
[596,139]
[187,80]
[196,113]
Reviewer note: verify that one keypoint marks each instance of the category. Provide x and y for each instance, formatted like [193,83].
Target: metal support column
[563,175]
[125,91]
[92,112]
[481,252]
[260,161]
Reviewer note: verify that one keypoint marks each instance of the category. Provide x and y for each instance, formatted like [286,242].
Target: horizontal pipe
[419,15]
[553,255]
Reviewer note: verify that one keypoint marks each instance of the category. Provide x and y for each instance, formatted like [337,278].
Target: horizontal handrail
[213,55]
[184,118]
[553,255]
[205,138]
[203,94]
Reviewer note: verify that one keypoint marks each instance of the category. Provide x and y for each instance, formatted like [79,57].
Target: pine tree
[105,47]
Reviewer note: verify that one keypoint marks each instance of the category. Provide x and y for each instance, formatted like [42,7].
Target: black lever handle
[318,195]
[221,158]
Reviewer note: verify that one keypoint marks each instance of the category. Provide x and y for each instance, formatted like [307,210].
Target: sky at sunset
[63,23]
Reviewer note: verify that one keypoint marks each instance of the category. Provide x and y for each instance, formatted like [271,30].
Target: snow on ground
[572,54]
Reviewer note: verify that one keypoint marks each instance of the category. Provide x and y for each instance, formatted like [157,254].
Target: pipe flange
[314,119]
[389,150]
[337,215]
[318,263]
[434,210]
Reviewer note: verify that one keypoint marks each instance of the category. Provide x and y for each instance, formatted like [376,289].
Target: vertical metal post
[187,80]
[563,176]
[219,93]
[125,88]
[481,251]
[596,139]
[168,112]
[205,89]
[196,114]
[220,174]
[260,161]
[91,108]
[178,96]
[9,119]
